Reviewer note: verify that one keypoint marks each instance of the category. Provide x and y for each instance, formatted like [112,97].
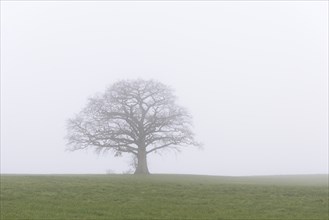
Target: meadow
[163,197]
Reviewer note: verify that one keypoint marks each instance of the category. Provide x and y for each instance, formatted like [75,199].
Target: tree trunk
[141,162]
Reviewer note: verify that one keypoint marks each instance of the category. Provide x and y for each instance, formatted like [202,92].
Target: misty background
[254,76]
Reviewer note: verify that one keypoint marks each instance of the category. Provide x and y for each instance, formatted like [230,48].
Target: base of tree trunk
[143,170]
[142,173]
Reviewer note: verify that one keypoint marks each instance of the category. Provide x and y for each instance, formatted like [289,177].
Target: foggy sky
[254,75]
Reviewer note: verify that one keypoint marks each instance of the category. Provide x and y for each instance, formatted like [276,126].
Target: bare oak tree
[132,116]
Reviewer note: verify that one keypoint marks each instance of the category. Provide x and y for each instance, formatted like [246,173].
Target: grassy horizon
[163,196]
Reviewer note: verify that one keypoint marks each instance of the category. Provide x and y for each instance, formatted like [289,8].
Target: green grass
[163,197]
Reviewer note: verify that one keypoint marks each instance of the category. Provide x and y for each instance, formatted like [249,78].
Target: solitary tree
[132,116]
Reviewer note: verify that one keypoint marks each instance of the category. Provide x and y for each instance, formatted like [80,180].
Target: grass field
[163,197]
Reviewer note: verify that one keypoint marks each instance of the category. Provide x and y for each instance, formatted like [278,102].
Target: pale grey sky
[253,74]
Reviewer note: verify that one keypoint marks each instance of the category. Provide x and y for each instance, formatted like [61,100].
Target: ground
[163,197]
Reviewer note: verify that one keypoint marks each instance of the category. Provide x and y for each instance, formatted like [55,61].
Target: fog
[254,76]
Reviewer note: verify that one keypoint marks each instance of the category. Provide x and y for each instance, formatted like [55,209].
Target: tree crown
[132,116]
